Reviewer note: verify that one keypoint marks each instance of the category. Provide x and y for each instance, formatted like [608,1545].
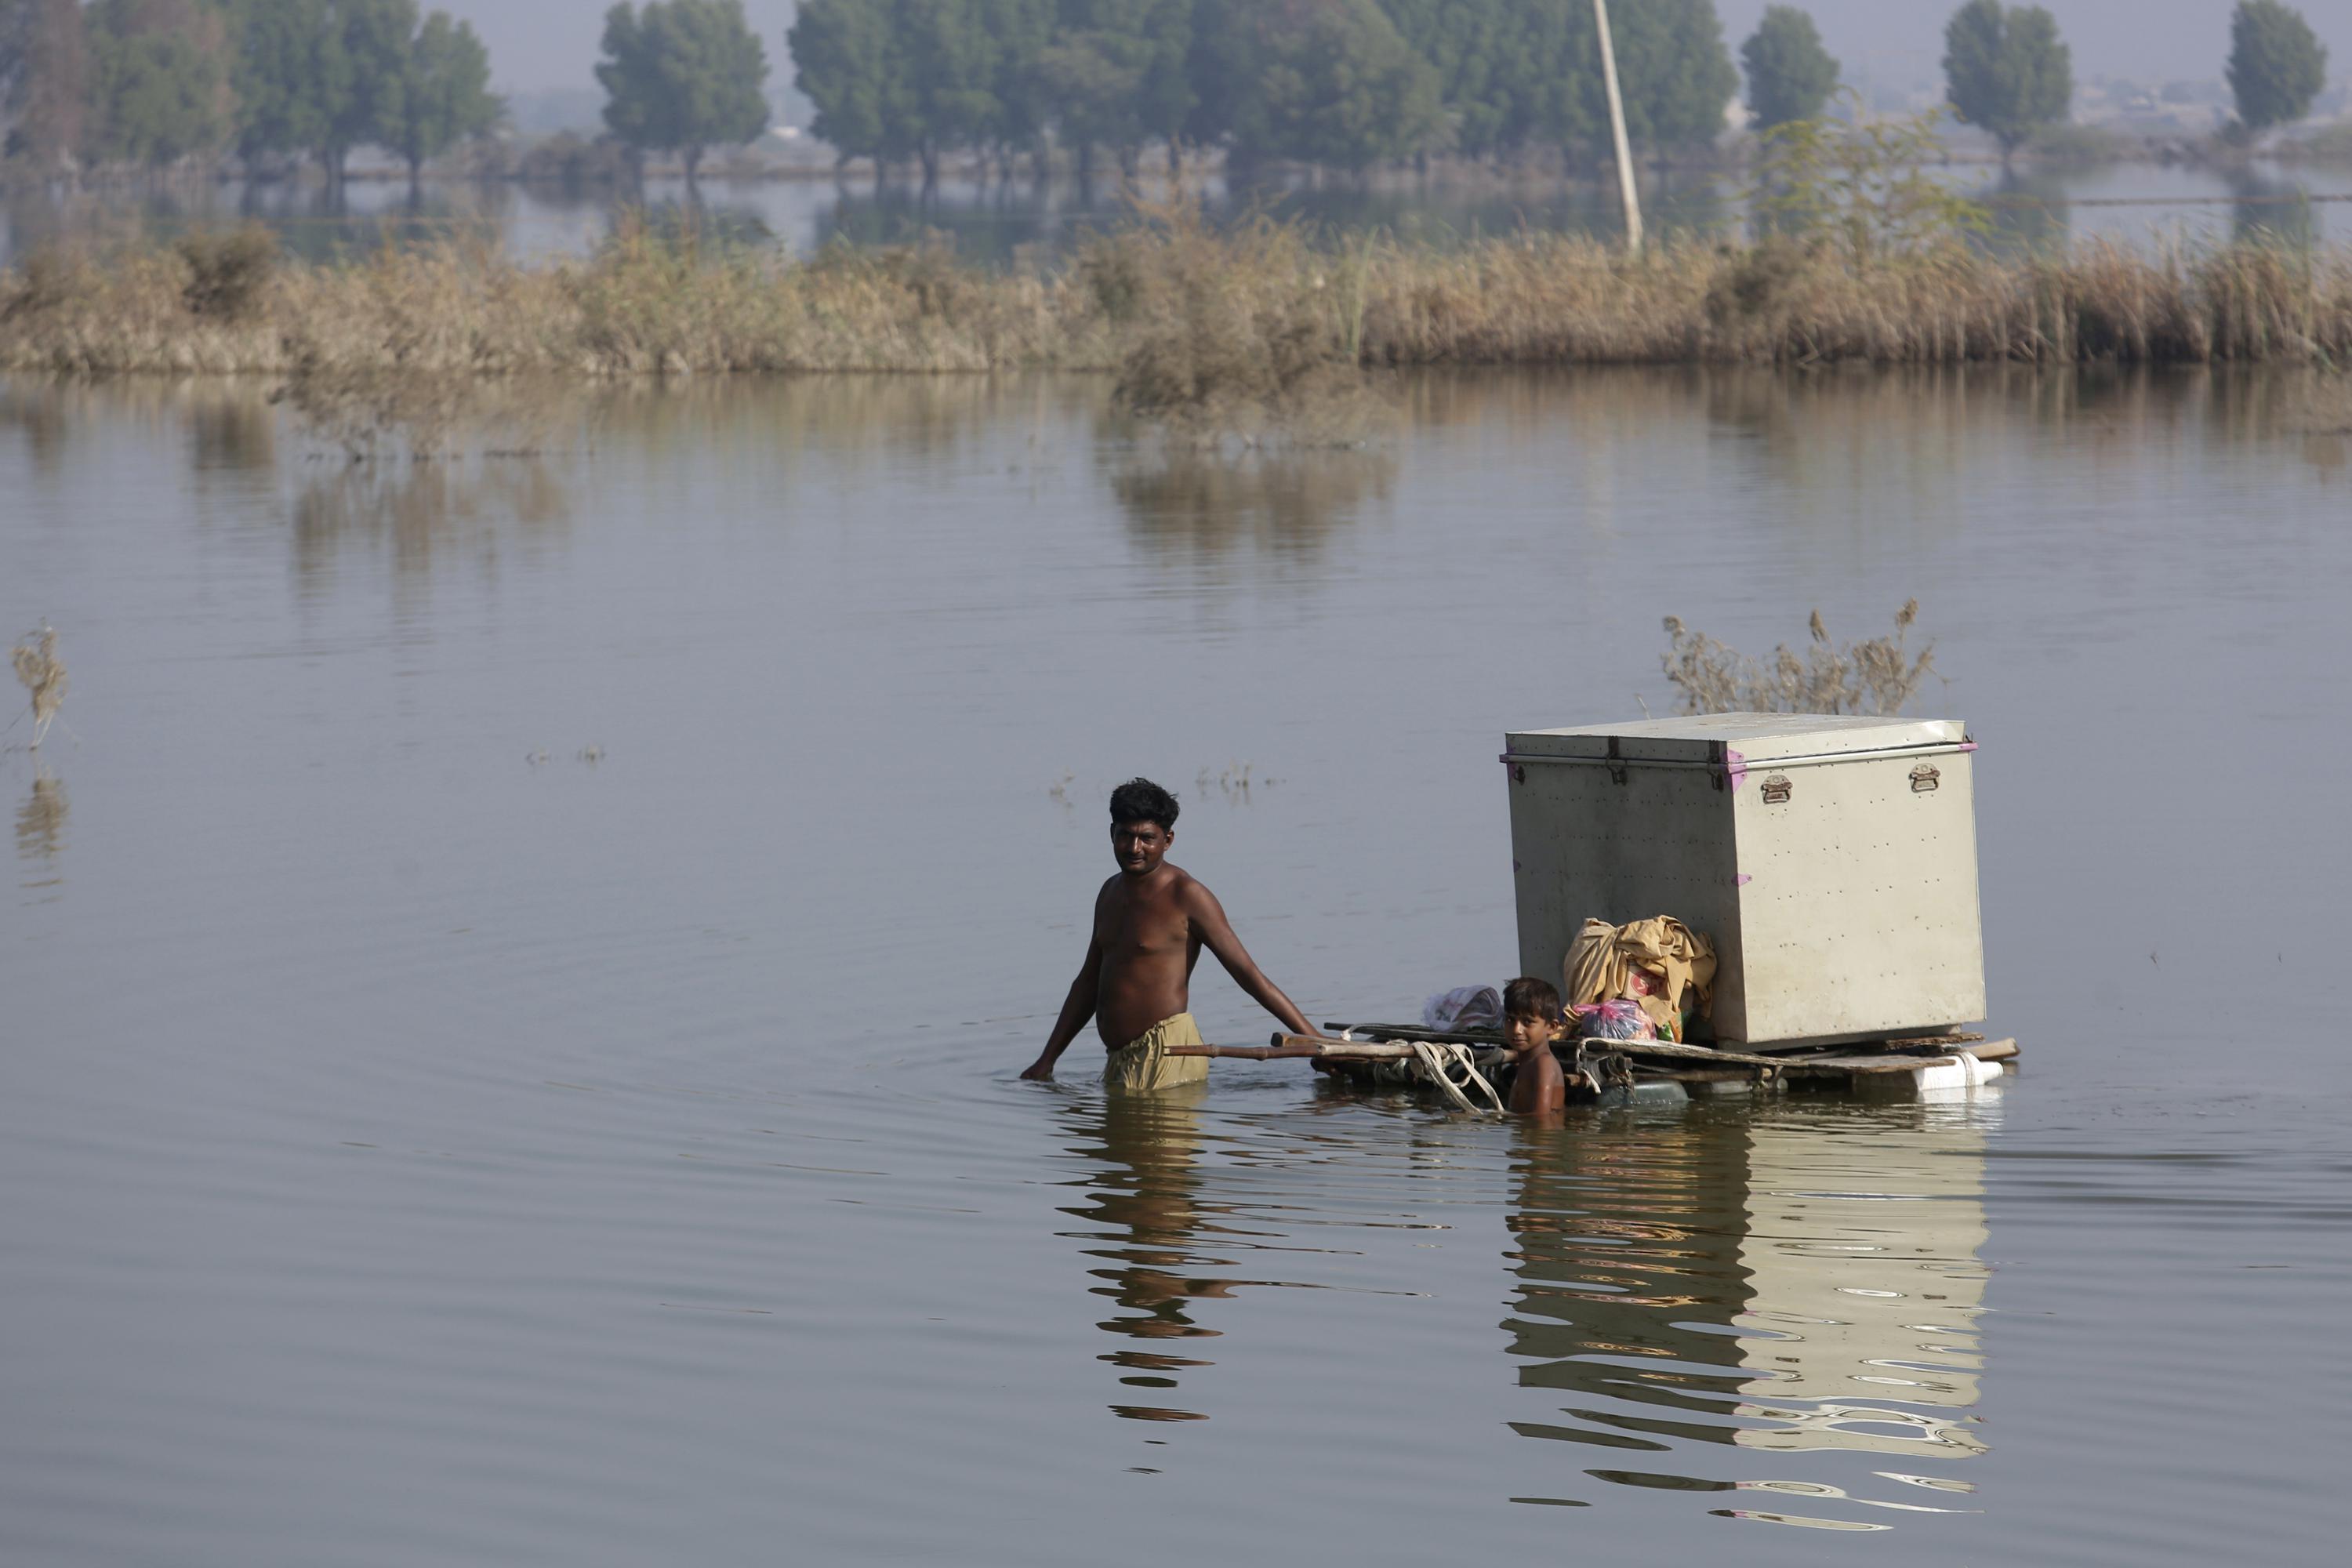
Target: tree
[2007,71]
[159,80]
[682,75]
[913,79]
[845,64]
[2277,65]
[372,37]
[1675,71]
[323,77]
[1323,81]
[44,79]
[1113,74]
[445,93]
[1790,75]
[320,76]
[1019,31]
[1501,67]
[947,96]
[291,75]
[1863,184]
[1522,71]
[1090,92]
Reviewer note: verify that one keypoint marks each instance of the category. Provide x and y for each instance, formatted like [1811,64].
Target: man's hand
[1076,1008]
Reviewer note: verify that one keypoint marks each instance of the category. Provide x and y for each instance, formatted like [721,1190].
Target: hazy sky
[540,44]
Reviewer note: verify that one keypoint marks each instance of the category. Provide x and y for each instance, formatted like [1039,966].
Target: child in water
[1531,1022]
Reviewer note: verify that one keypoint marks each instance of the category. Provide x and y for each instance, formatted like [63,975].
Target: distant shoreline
[602,165]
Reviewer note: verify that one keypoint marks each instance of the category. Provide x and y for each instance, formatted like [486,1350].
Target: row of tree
[1342,82]
[1339,82]
[2007,70]
[154,81]
[1352,82]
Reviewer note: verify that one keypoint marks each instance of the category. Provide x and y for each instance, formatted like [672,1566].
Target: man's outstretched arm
[1217,936]
[1076,1008]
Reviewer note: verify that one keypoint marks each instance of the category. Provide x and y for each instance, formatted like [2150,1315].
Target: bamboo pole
[1293,1048]
[1287,1047]
[1913,1047]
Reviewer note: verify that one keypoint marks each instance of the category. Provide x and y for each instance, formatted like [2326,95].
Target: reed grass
[42,673]
[1246,324]
[1874,675]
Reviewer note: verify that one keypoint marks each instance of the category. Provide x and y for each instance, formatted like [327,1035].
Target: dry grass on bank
[644,305]
[1231,328]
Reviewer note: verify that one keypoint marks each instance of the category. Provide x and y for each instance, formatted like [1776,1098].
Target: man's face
[1140,846]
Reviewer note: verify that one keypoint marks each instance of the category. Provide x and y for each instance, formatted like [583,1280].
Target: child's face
[1524,1032]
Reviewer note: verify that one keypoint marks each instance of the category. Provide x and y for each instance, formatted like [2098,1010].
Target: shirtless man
[1151,920]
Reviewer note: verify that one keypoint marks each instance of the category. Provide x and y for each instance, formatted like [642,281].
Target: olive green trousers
[1143,1063]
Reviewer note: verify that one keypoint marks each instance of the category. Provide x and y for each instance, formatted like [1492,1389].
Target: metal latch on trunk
[1778,789]
[1924,779]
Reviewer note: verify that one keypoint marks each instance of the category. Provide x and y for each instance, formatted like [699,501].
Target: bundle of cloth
[1637,981]
[1463,1007]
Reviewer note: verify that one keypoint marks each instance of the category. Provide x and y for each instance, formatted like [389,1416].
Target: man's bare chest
[1144,925]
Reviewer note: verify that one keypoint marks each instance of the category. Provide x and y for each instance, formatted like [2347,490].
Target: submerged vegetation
[1241,326]
[43,675]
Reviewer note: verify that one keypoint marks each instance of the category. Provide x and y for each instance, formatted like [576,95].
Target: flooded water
[514,977]
[2129,204]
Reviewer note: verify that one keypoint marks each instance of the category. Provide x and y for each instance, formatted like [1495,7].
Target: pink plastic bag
[1619,1018]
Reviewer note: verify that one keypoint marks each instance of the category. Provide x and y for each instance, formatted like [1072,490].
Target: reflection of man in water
[1626,1244]
[1141,1215]
[1151,922]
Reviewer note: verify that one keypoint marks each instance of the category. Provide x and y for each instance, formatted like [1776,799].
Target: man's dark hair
[1140,800]
[1528,998]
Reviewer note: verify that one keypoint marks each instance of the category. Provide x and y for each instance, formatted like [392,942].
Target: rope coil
[1439,1063]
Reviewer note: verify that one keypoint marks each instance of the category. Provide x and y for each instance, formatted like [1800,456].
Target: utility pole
[1617,126]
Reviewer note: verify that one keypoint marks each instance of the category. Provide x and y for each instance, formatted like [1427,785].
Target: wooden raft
[1652,1060]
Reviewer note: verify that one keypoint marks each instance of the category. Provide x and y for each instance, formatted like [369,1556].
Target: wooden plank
[1804,1067]
[1915,1044]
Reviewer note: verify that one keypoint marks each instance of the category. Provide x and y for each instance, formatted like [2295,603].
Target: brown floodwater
[514,968]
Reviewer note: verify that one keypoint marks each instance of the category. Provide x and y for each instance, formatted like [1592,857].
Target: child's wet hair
[1529,997]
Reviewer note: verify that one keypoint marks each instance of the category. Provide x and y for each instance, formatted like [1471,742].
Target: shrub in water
[1878,676]
[227,272]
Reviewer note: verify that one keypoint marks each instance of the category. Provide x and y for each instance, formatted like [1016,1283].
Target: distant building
[2186,107]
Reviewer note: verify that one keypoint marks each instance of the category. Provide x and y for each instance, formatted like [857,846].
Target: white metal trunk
[1831,858]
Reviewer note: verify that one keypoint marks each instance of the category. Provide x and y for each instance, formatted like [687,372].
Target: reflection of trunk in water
[423,509]
[1141,1213]
[1799,1283]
